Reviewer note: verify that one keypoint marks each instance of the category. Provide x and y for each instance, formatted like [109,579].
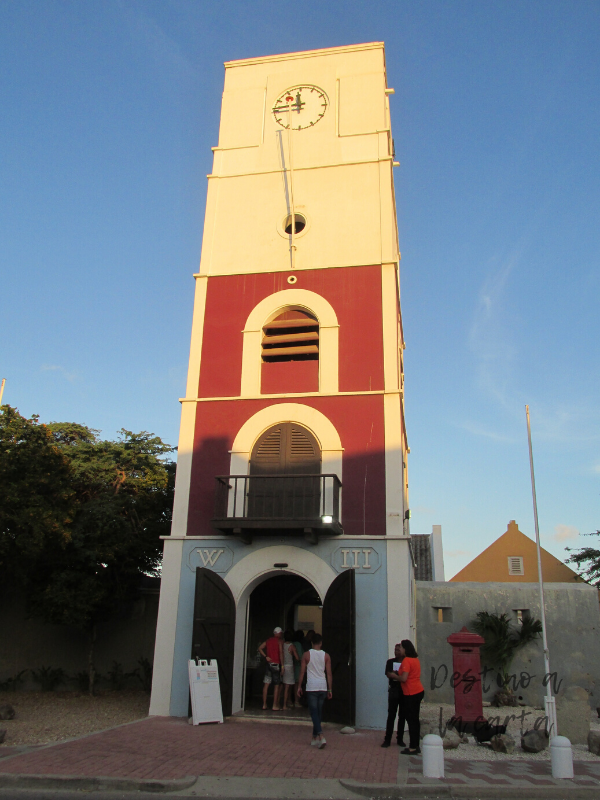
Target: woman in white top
[290,654]
[317,666]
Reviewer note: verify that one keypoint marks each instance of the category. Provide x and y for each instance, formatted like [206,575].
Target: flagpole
[549,700]
[2,389]
[293,215]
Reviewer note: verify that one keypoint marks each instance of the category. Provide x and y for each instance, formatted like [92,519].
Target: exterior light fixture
[327,519]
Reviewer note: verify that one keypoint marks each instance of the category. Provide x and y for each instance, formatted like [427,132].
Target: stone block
[7,711]
[503,743]
[428,727]
[451,740]
[573,715]
[594,742]
[534,741]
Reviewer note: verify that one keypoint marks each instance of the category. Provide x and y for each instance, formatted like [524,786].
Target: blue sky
[109,111]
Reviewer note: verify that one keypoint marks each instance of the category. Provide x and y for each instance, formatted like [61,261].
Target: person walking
[412,689]
[395,699]
[317,666]
[272,650]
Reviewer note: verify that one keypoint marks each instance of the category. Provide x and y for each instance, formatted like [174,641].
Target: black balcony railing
[271,503]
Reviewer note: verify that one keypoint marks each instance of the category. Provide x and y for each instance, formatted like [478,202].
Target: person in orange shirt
[412,689]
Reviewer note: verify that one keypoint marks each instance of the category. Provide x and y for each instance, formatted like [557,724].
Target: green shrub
[48,677]
[12,684]
[118,678]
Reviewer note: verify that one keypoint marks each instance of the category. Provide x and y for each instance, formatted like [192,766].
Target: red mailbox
[466,677]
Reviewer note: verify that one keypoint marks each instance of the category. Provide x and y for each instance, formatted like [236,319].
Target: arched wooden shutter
[286,449]
[283,452]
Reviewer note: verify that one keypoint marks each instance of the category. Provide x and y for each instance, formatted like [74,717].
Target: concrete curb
[74,783]
[436,789]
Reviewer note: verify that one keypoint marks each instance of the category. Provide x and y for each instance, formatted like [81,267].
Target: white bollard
[561,756]
[433,756]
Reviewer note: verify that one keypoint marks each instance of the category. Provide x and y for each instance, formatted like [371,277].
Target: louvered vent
[301,448]
[286,449]
[269,449]
[292,336]
[515,565]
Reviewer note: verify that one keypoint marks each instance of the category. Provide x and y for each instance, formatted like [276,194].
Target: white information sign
[205,691]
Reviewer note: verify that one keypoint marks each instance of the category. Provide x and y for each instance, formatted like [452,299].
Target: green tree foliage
[503,640]
[587,560]
[120,497]
[37,500]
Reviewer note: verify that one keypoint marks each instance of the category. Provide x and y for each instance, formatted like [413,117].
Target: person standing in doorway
[298,640]
[317,666]
[395,699]
[272,650]
[412,689]
[308,639]
[290,656]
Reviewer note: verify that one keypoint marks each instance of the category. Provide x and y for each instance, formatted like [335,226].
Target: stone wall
[29,644]
[573,620]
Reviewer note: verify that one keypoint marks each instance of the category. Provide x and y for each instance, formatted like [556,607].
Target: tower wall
[335,171]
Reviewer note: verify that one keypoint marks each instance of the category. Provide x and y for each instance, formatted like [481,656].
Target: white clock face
[308,105]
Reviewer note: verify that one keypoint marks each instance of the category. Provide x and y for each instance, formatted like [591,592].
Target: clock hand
[285,108]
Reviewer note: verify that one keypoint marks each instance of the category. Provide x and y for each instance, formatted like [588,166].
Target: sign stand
[205,691]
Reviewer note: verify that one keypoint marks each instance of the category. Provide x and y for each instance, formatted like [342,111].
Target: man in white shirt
[316,664]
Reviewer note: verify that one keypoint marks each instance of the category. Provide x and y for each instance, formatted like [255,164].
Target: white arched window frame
[272,306]
[317,423]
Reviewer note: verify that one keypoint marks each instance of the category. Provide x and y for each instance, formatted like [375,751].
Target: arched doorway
[285,600]
[338,619]
[285,464]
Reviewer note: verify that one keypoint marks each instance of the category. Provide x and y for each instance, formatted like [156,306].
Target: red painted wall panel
[360,424]
[279,377]
[354,293]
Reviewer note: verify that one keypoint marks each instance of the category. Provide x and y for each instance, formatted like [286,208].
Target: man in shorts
[272,650]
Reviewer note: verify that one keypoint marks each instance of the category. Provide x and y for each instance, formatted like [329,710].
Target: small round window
[300,223]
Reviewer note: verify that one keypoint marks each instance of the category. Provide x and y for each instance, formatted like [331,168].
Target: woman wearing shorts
[290,654]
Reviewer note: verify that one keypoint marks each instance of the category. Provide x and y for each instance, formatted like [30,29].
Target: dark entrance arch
[282,600]
[286,600]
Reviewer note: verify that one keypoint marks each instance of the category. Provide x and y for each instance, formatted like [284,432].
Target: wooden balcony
[290,505]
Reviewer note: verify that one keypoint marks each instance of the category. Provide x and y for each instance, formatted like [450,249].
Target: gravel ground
[477,752]
[44,717]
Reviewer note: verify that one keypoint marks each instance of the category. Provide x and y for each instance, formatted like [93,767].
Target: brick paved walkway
[164,748]
[167,747]
[506,773]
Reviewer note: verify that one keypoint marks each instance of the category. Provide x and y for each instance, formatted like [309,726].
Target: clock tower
[291,500]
